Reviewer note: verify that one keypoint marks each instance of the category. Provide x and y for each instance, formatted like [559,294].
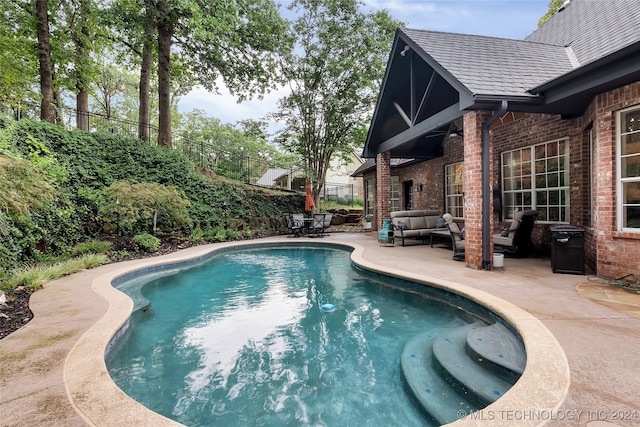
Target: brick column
[383,188]
[473,122]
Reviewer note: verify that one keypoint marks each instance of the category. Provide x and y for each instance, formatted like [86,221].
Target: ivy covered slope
[57,188]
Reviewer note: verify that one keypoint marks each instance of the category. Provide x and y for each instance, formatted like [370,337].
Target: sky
[513,19]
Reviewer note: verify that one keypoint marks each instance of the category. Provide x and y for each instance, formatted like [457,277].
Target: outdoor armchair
[515,240]
[457,237]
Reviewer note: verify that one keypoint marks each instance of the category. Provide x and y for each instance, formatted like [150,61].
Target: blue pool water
[242,339]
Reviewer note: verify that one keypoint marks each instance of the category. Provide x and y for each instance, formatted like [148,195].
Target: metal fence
[341,194]
[207,155]
[236,166]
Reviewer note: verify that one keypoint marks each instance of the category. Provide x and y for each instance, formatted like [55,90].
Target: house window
[454,199]
[537,178]
[395,193]
[408,195]
[628,162]
[369,197]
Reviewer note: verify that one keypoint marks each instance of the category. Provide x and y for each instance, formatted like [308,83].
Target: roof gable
[433,78]
[491,65]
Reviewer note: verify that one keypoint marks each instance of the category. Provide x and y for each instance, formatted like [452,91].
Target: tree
[80,41]
[133,27]
[334,74]
[196,41]
[18,58]
[234,39]
[134,205]
[41,13]
[554,5]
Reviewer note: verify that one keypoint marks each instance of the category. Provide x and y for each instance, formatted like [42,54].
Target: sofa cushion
[430,221]
[418,222]
[502,241]
[412,233]
[401,221]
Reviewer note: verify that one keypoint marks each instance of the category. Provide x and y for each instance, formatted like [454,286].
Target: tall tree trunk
[47,110]
[82,108]
[165,34]
[145,76]
[82,85]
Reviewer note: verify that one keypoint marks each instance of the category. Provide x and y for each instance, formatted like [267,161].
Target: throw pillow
[505,232]
[462,233]
[441,223]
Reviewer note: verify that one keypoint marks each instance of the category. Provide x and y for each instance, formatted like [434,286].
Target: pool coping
[542,387]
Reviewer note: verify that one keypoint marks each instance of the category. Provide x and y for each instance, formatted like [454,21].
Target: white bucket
[498,260]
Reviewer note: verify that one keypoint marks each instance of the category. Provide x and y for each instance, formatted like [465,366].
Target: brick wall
[431,175]
[383,188]
[608,252]
[617,253]
[525,130]
[473,186]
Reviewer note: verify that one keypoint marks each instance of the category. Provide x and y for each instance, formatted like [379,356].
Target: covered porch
[445,99]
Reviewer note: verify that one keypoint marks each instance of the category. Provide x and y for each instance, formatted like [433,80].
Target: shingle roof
[491,65]
[584,31]
[589,47]
[592,28]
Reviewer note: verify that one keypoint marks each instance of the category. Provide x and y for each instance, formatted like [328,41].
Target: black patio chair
[327,223]
[515,240]
[295,225]
[316,229]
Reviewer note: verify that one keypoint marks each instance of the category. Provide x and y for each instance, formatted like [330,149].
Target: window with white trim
[537,177]
[628,165]
[454,197]
[395,193]
[369,197]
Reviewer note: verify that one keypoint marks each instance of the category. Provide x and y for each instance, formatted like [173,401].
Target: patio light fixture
[454,131]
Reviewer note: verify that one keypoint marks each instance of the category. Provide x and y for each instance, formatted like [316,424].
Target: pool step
[428,387]
[497,345]
[468,375]
[134,290]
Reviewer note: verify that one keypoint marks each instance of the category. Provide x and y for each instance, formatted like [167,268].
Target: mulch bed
[17,311]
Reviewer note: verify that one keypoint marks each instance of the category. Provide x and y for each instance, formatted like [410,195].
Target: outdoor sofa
[416,224]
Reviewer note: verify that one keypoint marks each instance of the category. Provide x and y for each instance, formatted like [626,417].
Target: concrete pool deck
[53,370]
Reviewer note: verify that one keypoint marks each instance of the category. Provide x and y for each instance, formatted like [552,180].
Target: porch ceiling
[415,108]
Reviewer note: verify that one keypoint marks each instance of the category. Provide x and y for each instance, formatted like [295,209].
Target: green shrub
[134,207]
[219,234]
[92,247]
[343,201]
[62,176]
[147,242]
[36,276]
[196,235]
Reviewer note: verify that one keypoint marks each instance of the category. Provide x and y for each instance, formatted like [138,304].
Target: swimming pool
[256,348]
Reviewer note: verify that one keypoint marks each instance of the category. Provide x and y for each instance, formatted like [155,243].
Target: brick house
[482,127]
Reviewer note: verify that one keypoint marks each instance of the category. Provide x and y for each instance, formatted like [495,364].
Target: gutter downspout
[486,179]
